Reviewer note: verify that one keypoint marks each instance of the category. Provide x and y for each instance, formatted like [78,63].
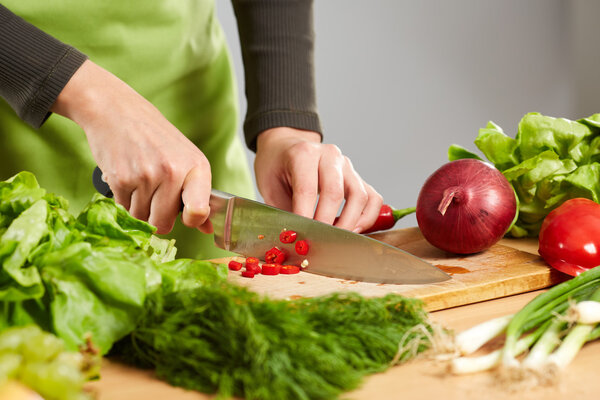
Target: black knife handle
[101,186]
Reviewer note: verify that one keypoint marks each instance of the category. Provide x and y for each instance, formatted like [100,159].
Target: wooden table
[419,379]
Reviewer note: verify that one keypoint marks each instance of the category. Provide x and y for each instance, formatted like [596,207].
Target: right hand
[150,166]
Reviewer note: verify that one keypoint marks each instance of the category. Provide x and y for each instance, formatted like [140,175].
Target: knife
[250,228]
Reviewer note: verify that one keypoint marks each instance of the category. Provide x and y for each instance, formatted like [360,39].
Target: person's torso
[173,52]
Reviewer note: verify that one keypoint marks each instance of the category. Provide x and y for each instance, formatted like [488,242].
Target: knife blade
[250,228]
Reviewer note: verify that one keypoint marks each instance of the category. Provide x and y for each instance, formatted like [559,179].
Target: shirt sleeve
[277,41]
[34,67]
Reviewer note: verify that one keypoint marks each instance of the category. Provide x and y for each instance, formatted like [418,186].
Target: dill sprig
[225,339]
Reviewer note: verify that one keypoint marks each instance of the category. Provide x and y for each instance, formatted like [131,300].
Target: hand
[294,171]
[149,165]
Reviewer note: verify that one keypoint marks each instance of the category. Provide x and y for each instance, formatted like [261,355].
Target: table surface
[423,378]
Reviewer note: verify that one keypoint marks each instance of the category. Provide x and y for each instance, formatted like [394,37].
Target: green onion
[552,341]
[515,327]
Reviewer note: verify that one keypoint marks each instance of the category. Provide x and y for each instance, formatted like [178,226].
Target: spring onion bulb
[468,365]
[570,346]
[472,339]
[586,312]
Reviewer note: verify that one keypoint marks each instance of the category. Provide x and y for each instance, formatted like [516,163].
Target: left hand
[298,173]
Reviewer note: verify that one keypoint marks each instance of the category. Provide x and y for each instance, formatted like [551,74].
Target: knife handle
[99,183]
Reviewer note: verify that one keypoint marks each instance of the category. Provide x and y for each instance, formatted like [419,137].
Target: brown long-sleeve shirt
[276,38]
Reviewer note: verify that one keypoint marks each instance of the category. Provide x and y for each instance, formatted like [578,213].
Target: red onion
[465,206]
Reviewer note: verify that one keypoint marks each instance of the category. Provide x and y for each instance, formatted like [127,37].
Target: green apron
[174,53]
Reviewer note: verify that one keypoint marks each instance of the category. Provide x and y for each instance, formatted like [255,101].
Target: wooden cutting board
[497,272]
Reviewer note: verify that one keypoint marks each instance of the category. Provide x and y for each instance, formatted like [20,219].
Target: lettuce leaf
[549,161]
[75,276]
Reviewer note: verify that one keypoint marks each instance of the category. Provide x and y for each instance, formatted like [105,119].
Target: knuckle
[305,190]
[333,150]
[333,193]
[302,149]
[169,169]
[373,195]
[362,196]
[122,180]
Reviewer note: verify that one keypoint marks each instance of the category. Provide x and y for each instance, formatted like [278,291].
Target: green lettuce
[549,161]
[70,275]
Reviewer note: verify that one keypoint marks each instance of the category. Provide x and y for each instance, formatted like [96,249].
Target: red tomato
[570,236]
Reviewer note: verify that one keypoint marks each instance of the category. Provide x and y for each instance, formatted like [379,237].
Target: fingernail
[358,229]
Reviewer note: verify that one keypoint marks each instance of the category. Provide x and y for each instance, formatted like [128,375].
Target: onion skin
[465,206]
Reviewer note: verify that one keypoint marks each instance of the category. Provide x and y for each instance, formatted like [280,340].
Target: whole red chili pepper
[387,218]
[275,256]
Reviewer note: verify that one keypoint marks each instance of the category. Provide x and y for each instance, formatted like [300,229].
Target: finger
[122,197]
[356,198]
[195,195]
[331,185]
[206,227]
[141,199]
[122,189]
[371,209]
[304,172]
[165,206]
[276,193]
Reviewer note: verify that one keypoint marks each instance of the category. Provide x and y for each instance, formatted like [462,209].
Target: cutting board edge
[501,288]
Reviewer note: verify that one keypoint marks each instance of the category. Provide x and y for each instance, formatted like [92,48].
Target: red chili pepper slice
[302,247]
[248,274]
[289,269]
[271,269]
[275,256]
[252,260]
[235,265]
[254,268]
[288,236]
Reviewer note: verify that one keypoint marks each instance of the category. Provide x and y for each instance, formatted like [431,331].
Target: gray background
[398,81]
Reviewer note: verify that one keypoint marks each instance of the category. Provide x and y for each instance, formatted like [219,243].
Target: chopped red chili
[302,247]
[235,265]
[248,274]
[287,236]
[275,256]
[261,237]
[252,260]
[289,269]
[254,268]
[271,269]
